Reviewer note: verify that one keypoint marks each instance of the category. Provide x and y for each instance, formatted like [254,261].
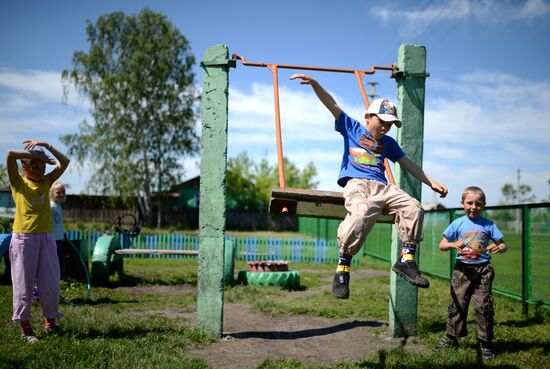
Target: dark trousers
[471,282]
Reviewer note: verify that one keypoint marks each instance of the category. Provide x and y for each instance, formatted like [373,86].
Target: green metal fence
[521,272]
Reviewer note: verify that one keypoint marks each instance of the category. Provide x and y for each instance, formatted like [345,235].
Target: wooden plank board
[151,251]
[313,204]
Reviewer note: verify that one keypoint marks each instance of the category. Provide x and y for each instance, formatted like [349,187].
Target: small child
[57,198]
[33,251]
[473,275]
[366,190]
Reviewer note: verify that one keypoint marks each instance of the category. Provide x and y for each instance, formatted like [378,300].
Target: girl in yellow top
[33,251]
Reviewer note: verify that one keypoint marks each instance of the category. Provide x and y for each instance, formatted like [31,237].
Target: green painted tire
[104,260]
[289,279]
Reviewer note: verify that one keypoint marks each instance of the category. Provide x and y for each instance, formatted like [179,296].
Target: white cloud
[42,84]
[495,109]
[417,22]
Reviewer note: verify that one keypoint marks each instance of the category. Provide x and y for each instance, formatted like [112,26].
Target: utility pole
[518,201]
[372,94]
[518,192]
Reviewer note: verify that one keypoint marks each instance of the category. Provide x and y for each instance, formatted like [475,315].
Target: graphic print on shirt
[368,152]
[38,200]
[475,242]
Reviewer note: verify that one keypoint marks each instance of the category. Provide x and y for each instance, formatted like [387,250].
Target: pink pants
[33,258]
[365,200]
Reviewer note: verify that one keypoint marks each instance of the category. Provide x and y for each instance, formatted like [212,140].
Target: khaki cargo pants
[471,282]
[364,200]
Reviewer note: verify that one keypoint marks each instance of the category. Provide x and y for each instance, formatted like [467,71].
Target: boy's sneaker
[57,330]
[29,336]
[340,285]
[486,350]
[409,271]
[446,342]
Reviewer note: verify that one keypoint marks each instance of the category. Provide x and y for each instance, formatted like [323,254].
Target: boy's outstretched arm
[321,93]
[416,171]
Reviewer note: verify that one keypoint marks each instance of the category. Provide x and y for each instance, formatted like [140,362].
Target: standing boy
[366,190]
[472,278]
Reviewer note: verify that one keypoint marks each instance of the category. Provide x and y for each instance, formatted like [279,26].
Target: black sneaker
[446,342]
[486,350]
[340,285]
[409,271]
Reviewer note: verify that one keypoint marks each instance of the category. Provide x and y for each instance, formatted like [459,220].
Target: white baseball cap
[385,110]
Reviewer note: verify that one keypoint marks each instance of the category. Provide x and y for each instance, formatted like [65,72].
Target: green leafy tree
[241,188]
[138,77]
[511,195]
[3,175]
[249,184]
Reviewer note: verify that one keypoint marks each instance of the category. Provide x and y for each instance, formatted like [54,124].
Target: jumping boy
[473,275]
[366,190]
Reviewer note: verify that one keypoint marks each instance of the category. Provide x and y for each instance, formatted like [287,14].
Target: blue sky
[487,98]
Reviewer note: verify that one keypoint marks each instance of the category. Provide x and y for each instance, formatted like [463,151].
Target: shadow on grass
[127,280]
[121,333]
[307,333]
[510,346]
[522,323]
[387,358]
[107,300]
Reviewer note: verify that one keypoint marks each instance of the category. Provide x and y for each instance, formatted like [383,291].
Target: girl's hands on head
[31,144]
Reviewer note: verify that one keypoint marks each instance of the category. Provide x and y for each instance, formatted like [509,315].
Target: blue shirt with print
[363,155]
[476,233]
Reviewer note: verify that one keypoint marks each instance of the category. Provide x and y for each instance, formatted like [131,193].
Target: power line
[450,30]
[437,20]
[395,45]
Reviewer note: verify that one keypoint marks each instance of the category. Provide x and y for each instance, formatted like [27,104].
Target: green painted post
[410,99]
[215,66]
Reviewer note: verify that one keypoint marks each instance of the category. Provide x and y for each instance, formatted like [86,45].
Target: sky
[487,109]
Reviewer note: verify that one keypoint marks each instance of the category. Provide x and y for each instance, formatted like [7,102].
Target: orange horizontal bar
[372,70]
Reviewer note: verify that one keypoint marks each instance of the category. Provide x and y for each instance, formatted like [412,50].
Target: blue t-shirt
[363,155]
[476,233]
[57,221]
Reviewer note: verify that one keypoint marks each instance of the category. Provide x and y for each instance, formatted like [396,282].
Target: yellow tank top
[32,206]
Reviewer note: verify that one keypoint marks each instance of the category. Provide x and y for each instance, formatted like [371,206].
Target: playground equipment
[84,265]
[105,260]
[270,273]
[410,75]
[312,203]
[5,239]
[108,254]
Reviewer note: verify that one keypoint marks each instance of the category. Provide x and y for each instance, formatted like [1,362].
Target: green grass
[121,329]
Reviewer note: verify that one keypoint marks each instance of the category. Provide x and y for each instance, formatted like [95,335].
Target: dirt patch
[250,338]
[158,289]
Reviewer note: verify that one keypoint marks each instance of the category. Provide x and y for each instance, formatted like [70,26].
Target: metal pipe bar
[359,75]
[372,70]
[279,137]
